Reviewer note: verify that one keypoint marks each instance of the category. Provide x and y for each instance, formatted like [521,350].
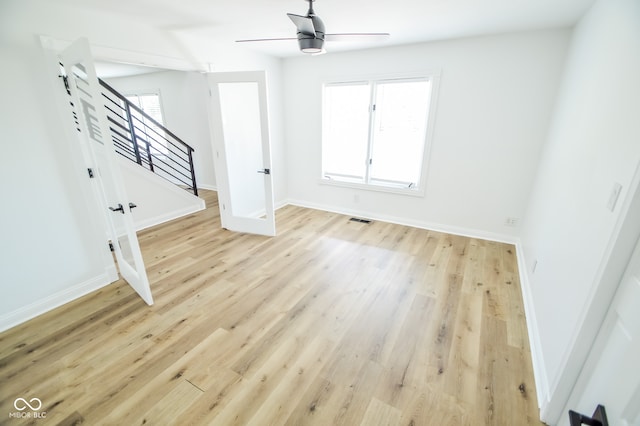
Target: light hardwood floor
[331,322]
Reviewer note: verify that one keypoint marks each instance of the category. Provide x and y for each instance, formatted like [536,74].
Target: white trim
[366,78]
[208,187]
[554,395]
[535,345]
[198,203]
[420,192]
[433,77]
[129,57]
[432,226]
[601,293]
[282,203]
[41,306]
[157,220]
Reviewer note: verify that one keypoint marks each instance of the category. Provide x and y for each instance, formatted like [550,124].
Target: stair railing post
[134,137]
[193,173]
[149,156]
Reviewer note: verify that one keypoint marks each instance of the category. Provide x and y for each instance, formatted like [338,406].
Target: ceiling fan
[311,33]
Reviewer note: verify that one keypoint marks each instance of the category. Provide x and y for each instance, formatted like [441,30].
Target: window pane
[399,131]
[147,130]
[151,105]
[345,130]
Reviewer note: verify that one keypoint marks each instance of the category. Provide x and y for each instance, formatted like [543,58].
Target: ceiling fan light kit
[311,33]
[311,45]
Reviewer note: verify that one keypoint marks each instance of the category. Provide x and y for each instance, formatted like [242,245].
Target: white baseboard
[465,232]
[39,307]
[147,182]
[157,220]
[209,187]
[535,345]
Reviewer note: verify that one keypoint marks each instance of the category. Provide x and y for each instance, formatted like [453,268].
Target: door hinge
[90,171]
[65,80]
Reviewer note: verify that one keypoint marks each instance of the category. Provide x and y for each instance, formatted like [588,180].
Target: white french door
[94,139]
[242,154]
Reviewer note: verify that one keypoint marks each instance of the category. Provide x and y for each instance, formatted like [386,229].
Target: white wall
[493,110]
[52,250]
[184,96]
[157,200]
[594,142]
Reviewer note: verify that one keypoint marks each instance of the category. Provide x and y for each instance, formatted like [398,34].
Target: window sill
[414,192]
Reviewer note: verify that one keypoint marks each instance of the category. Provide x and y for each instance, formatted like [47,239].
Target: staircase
[141,139]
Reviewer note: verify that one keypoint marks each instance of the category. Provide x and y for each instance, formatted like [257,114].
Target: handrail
[134,139]
[147,116]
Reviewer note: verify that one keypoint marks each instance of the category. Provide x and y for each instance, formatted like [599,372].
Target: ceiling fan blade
[357,37]
[266,39]
[303,23]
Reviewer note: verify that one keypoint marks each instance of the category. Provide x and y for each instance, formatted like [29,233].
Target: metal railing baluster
[143,138]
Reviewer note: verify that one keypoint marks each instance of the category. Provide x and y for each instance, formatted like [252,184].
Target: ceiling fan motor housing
[310,42]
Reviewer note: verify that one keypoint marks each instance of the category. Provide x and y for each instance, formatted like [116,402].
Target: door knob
[265,171]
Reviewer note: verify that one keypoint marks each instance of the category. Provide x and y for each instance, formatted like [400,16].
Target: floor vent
[357,219]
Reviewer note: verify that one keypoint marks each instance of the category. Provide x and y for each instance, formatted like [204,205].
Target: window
[374,132]
[150,104]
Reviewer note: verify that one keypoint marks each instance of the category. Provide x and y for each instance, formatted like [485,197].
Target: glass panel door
[242,152]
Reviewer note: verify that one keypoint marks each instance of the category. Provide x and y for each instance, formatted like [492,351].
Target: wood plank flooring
[332,322]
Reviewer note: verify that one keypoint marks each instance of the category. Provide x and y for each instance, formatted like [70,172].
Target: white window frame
[160,153]
[419,191]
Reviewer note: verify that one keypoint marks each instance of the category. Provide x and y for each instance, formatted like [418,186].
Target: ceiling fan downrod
[311,13]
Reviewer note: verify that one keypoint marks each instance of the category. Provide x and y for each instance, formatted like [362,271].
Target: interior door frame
[623,299]
[228,219]
[617,255]
[91,207]
[135,273]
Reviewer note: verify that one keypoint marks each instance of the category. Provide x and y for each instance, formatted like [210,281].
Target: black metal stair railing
[140,138]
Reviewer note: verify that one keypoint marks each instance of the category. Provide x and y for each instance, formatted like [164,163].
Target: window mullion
[372,111]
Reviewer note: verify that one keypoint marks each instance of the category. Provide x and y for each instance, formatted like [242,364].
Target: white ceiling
[221,22]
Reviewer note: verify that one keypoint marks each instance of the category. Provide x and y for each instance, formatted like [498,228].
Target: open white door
[611,376]
[241,150]
[97,147]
